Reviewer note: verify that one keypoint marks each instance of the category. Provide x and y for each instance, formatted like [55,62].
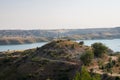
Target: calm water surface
[21,46]
[114,44]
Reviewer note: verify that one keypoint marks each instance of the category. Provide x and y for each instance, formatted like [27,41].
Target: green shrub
[85,75]
[99,49]
[81,43]
[87,57]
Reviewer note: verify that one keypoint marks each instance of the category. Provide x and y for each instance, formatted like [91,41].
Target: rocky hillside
[57,60]
[61,49]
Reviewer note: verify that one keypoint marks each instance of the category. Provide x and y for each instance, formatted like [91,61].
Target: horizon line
[65,28]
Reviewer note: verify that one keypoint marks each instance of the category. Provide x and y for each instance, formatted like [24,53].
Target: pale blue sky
[63,14]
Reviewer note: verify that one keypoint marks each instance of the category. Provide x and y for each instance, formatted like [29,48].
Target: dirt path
[113,74]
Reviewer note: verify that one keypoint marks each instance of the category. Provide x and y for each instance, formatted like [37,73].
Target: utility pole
[58,36]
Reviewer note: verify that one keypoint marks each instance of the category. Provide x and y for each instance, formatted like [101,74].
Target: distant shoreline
[29,41]
[13,37]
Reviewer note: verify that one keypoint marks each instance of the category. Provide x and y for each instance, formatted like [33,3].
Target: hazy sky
[63,14]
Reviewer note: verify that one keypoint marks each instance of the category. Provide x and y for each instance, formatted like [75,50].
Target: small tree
[99,49]
[87,57]
[81,42]
[77,76]
[85,75]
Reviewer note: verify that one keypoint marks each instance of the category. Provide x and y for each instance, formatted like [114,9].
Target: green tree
[85,75]
[99,49]
[87,57]
[96,77]
[77,76]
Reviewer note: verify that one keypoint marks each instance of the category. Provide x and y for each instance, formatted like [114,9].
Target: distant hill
[25,36]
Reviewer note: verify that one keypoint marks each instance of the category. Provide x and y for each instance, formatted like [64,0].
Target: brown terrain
[57,60]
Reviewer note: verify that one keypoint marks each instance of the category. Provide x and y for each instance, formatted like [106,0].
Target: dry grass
[20,40]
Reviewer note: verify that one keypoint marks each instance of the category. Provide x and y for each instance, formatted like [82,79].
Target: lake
[113,44]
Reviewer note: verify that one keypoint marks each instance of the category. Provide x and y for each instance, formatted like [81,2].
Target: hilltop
[64,49]
[56,60]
